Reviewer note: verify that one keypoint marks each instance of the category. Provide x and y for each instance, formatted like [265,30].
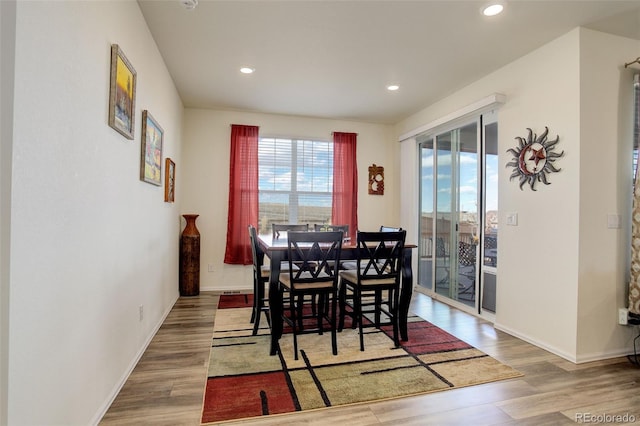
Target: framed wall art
[533,158]
[169,180]
[122,93]
[151,152]
[376,180]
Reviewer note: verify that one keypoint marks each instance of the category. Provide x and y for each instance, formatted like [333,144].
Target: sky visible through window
[301,168]
[468,181]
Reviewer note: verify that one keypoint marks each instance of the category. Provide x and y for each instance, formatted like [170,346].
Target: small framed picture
[122,94]
[169,180]
[151,152]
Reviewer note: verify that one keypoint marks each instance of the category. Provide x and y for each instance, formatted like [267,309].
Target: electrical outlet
[141,312]
[210,267]
[623,316]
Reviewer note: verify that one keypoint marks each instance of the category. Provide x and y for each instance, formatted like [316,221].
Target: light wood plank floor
[166,387]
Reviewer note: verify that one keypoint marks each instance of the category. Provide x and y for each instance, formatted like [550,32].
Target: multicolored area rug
[244,381]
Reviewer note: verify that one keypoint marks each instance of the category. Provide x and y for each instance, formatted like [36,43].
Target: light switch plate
[512,219]
[613,221]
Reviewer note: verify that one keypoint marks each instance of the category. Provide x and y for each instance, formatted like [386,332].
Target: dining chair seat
[319,283]
[352,276]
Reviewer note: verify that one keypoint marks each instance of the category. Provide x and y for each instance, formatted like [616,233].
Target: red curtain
[243,193]
[344,206]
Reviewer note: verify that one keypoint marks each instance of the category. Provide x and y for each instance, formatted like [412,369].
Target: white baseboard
[543,345]
[580,359]
[120,384]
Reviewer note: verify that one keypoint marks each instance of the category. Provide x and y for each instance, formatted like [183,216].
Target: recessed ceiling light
[493,9]
[393,87]
[247,70]
[189,4]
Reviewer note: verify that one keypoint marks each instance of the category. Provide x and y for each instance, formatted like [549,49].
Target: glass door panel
[446,144]
[450,213]
[467,213]
[490,220]
[429,268]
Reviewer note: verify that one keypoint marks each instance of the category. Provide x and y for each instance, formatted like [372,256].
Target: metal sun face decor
[533,158]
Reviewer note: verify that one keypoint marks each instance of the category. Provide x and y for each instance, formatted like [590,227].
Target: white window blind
[295,181]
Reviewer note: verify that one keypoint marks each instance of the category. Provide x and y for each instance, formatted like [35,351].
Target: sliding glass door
[453,189]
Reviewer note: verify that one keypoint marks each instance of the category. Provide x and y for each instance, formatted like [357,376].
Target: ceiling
[334,59]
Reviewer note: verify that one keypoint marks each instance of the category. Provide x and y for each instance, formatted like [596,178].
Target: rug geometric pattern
[245,381]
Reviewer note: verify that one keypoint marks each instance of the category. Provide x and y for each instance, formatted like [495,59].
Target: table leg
[405,294]
[275,300]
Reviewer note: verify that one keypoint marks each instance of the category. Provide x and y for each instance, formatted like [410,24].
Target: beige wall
[7,64]
[89,242]
[206,178]
[560,276]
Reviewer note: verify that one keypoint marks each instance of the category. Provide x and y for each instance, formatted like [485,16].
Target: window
[295,181]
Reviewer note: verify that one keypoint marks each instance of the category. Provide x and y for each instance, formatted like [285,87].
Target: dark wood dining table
[277,252]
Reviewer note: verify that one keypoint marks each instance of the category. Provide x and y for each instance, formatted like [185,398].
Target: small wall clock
[533,158]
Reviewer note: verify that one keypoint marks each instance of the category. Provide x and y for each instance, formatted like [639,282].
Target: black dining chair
[466,269]
[261,275]
[363,290]
[320,227]
[311,252]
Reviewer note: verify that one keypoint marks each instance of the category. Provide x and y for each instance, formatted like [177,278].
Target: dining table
[277,250]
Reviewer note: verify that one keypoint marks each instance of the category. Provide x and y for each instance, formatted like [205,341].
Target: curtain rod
[636,61]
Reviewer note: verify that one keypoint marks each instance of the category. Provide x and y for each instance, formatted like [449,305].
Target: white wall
[7,64]
[90,242]
[206,182]
[606,137]
[540,277]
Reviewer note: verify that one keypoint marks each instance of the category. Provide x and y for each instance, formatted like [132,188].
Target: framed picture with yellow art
[169,180]
[122,94]
[151,152]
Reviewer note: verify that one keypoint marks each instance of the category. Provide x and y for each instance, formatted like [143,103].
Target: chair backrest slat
[380,254]
[313,253]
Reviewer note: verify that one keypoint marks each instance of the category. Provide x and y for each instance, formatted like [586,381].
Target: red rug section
[258,395]
[425,338]
[229,301]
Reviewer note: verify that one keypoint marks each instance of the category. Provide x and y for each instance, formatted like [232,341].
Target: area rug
[244,381]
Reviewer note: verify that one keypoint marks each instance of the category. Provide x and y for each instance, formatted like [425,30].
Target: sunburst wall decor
[533,158]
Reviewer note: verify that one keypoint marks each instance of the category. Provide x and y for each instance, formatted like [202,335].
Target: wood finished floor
[167,385]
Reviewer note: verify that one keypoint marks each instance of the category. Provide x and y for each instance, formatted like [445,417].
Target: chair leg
[377,308]
[357,305]
[300,307]
[394,300]
[293,309]
[256,323]
[342,294]
[258,306]
[334,337]
[255,300]
[320,311]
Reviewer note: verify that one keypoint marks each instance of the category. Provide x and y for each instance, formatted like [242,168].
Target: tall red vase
[190,258]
